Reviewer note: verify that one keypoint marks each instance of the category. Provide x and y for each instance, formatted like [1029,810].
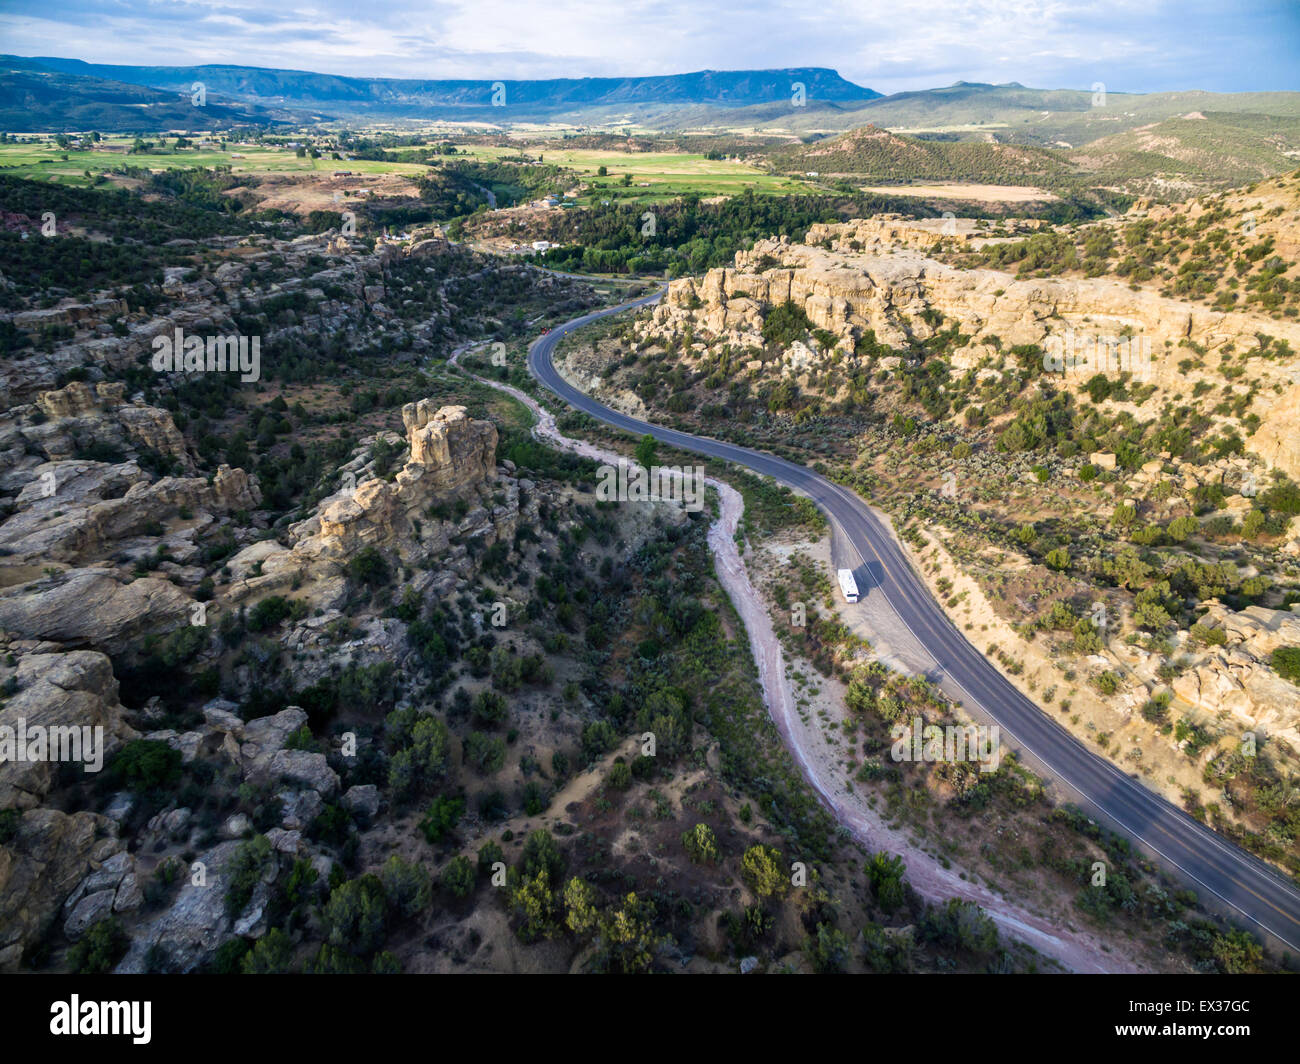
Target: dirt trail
[1077,951]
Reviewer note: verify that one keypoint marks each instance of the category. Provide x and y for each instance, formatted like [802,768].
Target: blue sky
[1129,45]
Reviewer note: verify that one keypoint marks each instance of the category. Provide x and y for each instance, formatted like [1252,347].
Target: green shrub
[146,764]
[885,871]
[1058,559]
[828,949]
[458,877]
[701,844]
[407,887]
[1210,637]
[542,854]
[762,869]
[368,567]
[272,954]
[441,818]
[1286,663]
[488,855]
[246,870]
[785,324]
[99,949]
[271,611]
[1107,683]
[355,915]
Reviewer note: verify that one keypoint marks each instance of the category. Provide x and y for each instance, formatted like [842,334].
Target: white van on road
[848,585]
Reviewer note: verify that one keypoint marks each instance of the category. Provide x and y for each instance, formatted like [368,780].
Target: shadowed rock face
[50,854]
[72,690]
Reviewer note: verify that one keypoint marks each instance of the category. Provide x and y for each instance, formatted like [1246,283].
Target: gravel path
[1077,951]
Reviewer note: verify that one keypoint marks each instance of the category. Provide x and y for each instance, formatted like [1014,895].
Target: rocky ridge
[848,293]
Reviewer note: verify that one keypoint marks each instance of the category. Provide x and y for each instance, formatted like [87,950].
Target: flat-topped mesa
[450,451]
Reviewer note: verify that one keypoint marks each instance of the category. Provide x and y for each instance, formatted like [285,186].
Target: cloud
[1136,45]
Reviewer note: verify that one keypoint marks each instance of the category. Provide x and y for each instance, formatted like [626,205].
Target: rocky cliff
[450,458]
[894,294]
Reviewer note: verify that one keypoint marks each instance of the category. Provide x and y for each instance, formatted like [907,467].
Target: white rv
[848,585]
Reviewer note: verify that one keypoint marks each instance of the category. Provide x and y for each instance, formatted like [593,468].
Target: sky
[1127,45]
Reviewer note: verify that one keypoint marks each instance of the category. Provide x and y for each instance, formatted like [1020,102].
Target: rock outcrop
[450,460]
[450,451]
[72,690]
[49,854]
[895,296]
[1236,678]
[93,608]
[189,930]
[76,511]
[81,414]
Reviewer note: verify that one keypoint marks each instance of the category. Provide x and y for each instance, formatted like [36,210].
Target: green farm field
[47,161]
[654,175]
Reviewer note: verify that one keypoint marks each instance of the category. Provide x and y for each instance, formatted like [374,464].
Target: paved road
[1224,875]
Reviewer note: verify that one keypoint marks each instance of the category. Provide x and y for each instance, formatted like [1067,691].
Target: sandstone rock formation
[847,293]
[1236,678]
[76,689]
[450,452]
[80,413]
[93,607]
[77,511]
[451,458]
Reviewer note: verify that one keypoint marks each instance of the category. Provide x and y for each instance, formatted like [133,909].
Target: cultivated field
[67,166]
[655,175]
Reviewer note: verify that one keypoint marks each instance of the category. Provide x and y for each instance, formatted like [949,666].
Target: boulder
[188,932]
[50,853]
[93,608]
[69,690]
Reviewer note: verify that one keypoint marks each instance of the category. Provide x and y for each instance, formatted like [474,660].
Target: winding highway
[1225,877]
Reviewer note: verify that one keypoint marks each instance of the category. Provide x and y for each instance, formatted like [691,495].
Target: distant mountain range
[1150,143]
[1013,113]
[486,100]
[33,99]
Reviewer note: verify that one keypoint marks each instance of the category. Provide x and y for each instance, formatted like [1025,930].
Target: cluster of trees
[888,157]
[690,235]
[459,188]
[1209,257]
[136,229]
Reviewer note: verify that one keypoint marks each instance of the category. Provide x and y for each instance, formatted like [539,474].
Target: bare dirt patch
[981,193]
